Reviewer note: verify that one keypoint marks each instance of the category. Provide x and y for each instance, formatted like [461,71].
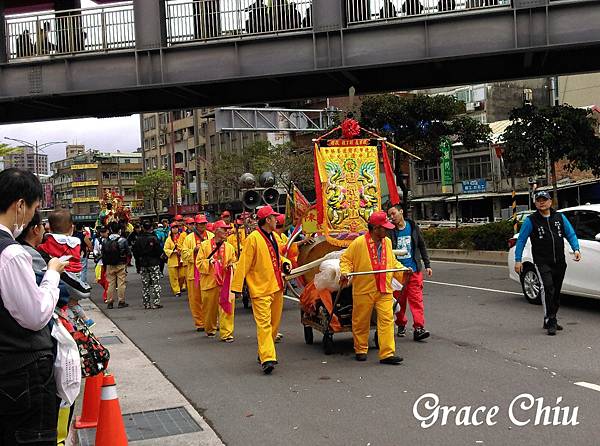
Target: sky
[107,134]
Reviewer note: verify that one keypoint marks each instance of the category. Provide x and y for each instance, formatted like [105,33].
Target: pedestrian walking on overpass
[547,230]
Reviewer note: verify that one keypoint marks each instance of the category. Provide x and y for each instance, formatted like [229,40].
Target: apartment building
[26,158]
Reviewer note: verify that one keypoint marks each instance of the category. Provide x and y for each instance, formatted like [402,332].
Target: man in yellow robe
[215,261]
[261,266]
[372,252]
[190,249]
[177,272]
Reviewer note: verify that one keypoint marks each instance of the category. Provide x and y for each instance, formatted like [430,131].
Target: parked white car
[582,278]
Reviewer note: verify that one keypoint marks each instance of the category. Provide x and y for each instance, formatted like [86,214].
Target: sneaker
[552,327]
[122,305]
[211,335]
[268,367]
[228,340]
[157,306]
[558,326]
[361,357]
[147,307]
[278,338]
[199,328]
[178,295]
[420,334]
[401,331]
[392,360]
[90,323]
[109,306]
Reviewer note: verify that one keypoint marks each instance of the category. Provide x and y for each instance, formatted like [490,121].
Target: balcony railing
[361,11]
[70,32]
[203,20]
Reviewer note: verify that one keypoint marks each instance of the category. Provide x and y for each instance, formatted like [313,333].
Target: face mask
[18,230]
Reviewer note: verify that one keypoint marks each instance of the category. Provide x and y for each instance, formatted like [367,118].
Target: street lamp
[36,147]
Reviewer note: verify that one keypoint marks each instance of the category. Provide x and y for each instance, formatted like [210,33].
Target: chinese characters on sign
[446,165]
[474,186]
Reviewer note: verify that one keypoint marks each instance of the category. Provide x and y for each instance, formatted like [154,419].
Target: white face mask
[18,229]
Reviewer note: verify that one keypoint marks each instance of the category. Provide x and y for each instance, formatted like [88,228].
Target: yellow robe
[232,239]
[194,294]
[212,311]
[173,259]
[177,272]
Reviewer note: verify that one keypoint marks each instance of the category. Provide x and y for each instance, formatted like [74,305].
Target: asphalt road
[487,348]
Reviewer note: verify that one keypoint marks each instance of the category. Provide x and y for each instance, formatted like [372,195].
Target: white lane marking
[591,386]
[468,264]
[473,287]
[295,299]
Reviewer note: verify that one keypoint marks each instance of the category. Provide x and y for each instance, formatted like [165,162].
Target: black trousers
[552,279]
[28,410]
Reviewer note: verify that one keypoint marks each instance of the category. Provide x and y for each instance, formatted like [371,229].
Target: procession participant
[185,230]
[177,272]
[226,217]
[407,236]
[372,252]
[547,230]
[215,261]
[261,266]
[191,245]
[178,218]
[238,236]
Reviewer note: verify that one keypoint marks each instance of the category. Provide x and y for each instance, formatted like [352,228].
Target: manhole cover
[110,340]
[150,424]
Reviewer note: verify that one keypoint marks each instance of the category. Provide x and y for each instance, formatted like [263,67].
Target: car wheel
[531,285]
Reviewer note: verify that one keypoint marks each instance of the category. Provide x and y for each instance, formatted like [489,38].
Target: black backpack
[111,252]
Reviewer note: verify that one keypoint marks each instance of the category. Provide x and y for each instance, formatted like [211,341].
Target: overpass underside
[525,39]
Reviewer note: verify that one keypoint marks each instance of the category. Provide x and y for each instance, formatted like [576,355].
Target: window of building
[149,123]
[178,157]
[473,168]
[427,173]
[162,139]
[163,118]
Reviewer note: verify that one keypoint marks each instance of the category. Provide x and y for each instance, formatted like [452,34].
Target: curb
[466,256]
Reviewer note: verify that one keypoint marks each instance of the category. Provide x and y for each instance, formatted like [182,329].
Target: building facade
[26,158]
[79,181]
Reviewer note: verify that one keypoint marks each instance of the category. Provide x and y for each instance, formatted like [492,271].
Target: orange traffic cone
[91,403]
[111,429]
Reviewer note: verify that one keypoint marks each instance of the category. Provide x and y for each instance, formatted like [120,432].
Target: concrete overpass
[156,55]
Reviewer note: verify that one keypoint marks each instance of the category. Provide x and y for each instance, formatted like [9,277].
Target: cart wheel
[328,343]
[308,335]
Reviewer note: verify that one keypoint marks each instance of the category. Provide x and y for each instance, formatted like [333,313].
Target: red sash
[219,257]
[376,264]
[274,259]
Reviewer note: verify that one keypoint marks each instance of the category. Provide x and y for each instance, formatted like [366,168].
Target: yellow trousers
[362,308]
[267,315]
[213,311]
[177,278]
[195,302]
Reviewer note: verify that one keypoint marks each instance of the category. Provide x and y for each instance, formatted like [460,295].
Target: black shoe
[420,334]
[268,367]
[199,328]
[178,295]
[157,306]
[401,331]
[558,326]
[361,357]
[393,360]
[122,305]
[110,306]
[147,307]
[552,327]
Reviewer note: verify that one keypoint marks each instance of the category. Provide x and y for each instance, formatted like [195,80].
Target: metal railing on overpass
[363,11]
[70,32]
[202,20]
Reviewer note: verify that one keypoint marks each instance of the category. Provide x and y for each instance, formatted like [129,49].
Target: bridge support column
[327,15]
[3,55]
[150,24]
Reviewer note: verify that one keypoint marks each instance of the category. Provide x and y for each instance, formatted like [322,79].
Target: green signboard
[446,165]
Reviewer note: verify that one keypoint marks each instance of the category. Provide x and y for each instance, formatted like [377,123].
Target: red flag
[389,176]
[301,206]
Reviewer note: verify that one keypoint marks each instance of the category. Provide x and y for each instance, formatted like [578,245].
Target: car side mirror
[597,238]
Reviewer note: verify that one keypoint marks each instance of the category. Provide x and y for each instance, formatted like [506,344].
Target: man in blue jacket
[547,229]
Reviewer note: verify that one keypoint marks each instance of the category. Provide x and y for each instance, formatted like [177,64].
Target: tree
[418,123]
[157,185]
[292,164]
[539,138]
[5,149]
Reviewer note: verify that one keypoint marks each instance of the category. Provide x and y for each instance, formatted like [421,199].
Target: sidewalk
[154,411]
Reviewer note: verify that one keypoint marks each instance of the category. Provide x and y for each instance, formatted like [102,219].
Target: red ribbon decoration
[376,264]
[274,259]
[318,189]
[389,176]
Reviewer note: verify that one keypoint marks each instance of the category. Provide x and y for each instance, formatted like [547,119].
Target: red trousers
[413,294]
[103,283]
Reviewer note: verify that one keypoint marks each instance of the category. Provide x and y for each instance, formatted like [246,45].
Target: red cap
[221,225]
[200,218]
[174,224]
[380,218]
[210,227]
[265,212]
[225,214]
[189,221]
[178,217]
[239,221]
[281,219]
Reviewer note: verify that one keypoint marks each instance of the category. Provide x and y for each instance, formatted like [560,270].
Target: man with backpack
[115,254]
[147,252]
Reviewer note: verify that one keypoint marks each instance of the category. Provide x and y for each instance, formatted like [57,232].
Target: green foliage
[488,237]
[5,149]
[555,133]
[156,185]
[417,123]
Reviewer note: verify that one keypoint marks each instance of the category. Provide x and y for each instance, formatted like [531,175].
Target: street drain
[150,424]
[110,340]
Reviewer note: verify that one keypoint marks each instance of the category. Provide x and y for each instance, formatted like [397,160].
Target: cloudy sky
[108,134]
